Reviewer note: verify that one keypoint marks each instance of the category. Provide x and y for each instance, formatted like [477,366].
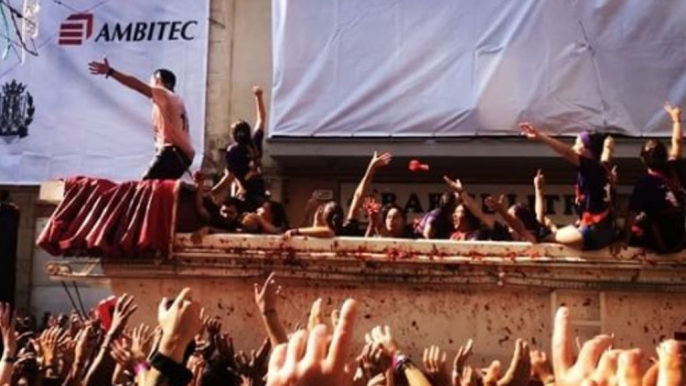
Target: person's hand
[254,368]
[141,337]
[123,310]
[180,323]
[519,372]
[309,360]
[85,344]
[673,111]
[567,370]
[382,336]
[48,343]
[456,185]
[266,295]
[380,160]
[529,131]
[671,364]
[121,352]
[373,360]
[213,327]
[100,68]
[614,176]
[224,345]
[496,205]
[257,91]
[196,364]
[541,367]
[459,363]
[9,337]
[434,363]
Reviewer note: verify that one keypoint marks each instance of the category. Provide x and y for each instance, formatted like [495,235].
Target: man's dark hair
[654,155]
[167,77]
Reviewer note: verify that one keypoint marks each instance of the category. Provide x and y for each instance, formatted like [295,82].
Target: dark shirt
[661,198]
[244,158]
[593,188]
[350,228]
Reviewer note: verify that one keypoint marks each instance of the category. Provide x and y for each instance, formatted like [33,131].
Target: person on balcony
[243,159]
[169,120]
[595,228]
[657,209]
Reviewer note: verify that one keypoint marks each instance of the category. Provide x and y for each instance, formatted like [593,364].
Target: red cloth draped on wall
[100,218]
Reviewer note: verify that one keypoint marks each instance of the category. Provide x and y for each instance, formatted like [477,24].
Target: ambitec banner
[58,120]
[450,68]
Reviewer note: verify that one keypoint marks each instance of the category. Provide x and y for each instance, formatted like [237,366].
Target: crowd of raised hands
[188,347]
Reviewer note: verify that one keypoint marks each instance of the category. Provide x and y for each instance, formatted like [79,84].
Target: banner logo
[76,29]
[16,111]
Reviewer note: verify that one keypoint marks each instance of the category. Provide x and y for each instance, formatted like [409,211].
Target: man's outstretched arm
[103,68]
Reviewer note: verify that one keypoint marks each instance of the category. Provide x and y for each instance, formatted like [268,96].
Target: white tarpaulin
[83,124]
[475,67]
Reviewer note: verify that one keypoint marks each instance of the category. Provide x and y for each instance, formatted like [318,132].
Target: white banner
[447,68]
[58,120]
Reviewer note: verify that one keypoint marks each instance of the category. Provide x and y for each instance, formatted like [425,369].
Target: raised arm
[498,206]
[559,147]
[104,68]
[376,162]
[539,206]
[266,299]
[469,202]
[677,134]
[259,105]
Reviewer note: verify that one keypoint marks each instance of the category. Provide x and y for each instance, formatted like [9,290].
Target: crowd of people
[655,220]
[240,201]
[186,346]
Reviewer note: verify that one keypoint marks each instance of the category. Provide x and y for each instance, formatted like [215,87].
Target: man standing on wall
[169,120]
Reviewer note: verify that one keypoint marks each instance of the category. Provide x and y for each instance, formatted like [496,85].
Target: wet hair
[593,141]
[333,216]
[278,212]
[654,155]
[167,77]
[387,208]
[240,132]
